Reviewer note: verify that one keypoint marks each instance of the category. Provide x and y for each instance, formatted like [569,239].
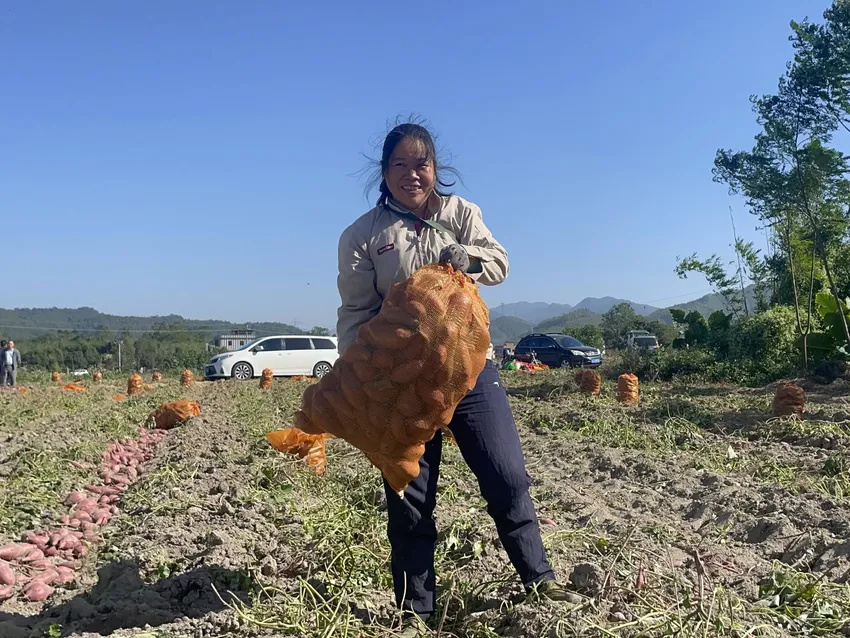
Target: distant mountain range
[539,311]
[509,322]
[26,323]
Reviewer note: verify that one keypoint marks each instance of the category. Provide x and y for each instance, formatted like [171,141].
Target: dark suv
[558,351]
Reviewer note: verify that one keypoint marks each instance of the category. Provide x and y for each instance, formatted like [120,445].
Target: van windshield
[248,346]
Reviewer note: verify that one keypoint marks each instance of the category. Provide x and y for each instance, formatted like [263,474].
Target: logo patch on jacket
[384,249]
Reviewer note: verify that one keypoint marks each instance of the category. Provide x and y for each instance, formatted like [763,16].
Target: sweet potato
[7,574]
[38,591]
[34,554]
[74,497]
[408,369]
[66,575]
[86,505]
[14,551]
[48,576]
[34,538]
[6,592]
[103,489]
[170,414]
[135,385]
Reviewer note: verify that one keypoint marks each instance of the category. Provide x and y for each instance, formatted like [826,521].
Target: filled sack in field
[789,400]
[628,389]
[406,373]
[589,382]
[170,414]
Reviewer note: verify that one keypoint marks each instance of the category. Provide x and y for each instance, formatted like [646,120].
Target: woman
[416,223]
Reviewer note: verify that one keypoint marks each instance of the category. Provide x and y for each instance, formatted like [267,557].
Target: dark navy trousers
[486,434]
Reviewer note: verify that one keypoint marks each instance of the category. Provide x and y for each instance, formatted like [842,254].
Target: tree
[720,332]
[318,331]
[617,322]
[792,181]
[693,324]
[588,334]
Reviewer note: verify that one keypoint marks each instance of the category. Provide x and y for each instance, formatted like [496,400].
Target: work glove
[456,256]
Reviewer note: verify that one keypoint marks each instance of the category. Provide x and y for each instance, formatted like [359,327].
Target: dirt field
[694,514]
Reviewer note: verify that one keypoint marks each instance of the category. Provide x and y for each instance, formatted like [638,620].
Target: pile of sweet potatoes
[45,558]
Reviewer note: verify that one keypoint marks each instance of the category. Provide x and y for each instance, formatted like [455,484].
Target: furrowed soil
[694,513]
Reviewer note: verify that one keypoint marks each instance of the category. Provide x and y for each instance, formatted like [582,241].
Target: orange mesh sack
[97,376]
[156,377]
[406,373]
[135,385]
[628,389]
[266,379]
[589,382]
[170,414]
[56,377]
[310,447]
[73,387]
[790,400]
[187,378]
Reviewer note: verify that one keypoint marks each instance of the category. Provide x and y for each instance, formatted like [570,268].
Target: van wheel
[242,371]
[322,369]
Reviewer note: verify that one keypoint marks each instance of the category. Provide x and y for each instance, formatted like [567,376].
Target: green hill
[28,323]
[582,317]
[508,329]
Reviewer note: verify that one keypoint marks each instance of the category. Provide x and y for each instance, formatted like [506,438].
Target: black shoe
[553,591]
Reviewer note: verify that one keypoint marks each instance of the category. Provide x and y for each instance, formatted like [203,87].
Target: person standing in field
[10,361]
[417,222]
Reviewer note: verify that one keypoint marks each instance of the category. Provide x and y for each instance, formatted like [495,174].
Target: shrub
[767,342]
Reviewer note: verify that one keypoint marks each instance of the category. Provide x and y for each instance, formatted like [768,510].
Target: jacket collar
[435,204]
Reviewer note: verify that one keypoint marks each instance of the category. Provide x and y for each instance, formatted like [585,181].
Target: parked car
[644,342]
[558,351]
[285,355]
[80,372]
[634,334]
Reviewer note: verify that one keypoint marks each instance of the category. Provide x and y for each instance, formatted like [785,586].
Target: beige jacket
[382,248]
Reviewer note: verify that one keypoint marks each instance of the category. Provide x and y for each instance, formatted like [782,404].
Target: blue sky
[202,158]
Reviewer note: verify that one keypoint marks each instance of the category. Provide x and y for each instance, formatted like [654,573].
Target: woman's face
[410,175]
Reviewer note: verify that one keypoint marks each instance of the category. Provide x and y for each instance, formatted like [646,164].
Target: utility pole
[119,355]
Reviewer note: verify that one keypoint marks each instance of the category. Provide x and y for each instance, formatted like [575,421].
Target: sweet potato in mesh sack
[589,382]
[56,377]
[628,389]
[310,447]
[405,374]
[156,377]
[789,400]
[266,379]
[74,387]
[97,376]
[135,385]
[187,378]
[170,414]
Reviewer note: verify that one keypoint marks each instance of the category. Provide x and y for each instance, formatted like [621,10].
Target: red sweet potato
[38,591]
[74,498]
[14,551]
[7,574]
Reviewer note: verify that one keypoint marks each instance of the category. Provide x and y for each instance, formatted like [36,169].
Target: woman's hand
[456,256]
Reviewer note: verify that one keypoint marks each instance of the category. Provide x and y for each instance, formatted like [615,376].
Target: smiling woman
[416,223]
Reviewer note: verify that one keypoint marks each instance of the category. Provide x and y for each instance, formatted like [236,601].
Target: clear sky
[202,158]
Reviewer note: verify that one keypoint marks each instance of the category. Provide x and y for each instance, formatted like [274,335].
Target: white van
[285,355]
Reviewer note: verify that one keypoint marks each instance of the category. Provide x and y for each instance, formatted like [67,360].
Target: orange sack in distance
[404,376]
